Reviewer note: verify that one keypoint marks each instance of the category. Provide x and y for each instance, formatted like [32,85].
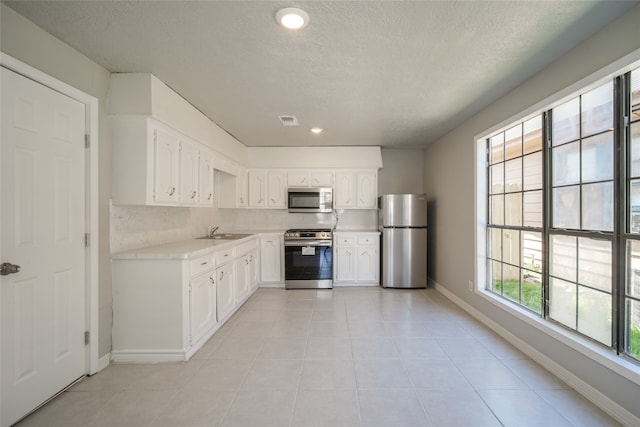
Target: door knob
[8,268]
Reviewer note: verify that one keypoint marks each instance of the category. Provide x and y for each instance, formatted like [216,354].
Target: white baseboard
[150,356]
[599,399]
[272,285]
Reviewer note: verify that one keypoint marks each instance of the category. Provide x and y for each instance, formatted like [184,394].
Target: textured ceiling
[387,73]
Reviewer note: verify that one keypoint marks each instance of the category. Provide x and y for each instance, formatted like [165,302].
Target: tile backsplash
[134,227]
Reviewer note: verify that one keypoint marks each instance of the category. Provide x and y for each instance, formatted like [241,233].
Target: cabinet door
[242,188]
[166,166]
[202,305]
[189,173]
[253,270]
[242,279]
[367,190]
[270,259]
[321,179]
[257,189]
[297,179]
[345,194]
[225,296]
[276,188]
[345,259]
[367,264]
[205,183]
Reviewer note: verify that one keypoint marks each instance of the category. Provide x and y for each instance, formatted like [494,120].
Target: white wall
[449,181]
[24,41]
[402,171]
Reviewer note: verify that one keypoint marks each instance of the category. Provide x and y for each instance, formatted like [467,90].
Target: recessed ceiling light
[316,130]
[292,18]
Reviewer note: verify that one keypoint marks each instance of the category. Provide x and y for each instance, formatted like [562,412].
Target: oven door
[308,265]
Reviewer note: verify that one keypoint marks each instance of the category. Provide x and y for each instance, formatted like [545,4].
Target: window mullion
[546,207]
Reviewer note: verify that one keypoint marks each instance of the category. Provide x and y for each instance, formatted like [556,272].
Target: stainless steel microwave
[310,199]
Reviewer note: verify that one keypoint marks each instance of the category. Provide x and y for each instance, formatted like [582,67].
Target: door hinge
[86,240]
[86,337]
[86,141]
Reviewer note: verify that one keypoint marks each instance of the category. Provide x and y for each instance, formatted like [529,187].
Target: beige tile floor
[341,357]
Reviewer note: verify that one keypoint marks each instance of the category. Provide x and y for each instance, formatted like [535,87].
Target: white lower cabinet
[202,305]
[226,296]
[357,258]
[271,259]
[167,305]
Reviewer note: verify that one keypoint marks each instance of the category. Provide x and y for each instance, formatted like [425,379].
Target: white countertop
[183,249]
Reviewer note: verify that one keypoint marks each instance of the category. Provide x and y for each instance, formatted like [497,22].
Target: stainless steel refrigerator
[403,224]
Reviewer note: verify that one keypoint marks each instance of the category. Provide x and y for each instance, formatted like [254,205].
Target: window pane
[633,268]
[513,175]
[597,157]
[513,209]
[533,135]
[566,164]
[511,282]
[496,277]
[597,206]
[513,142]
[562,302]
[532,209]
[532,251]
[633,329]
[635,149]
[532,171]
[496,214]
[566,122]
[594,314]
[566,207]
[532,290]
[597,110]
[511,246]
[634,206]
[497,148]
[594,263]
[563,257]
[495,252]
[497,178]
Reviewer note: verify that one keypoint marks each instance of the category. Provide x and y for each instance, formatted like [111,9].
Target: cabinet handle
[193,195]
[221,275]
[204,263]
[173,190]
[213,282]
[210,195]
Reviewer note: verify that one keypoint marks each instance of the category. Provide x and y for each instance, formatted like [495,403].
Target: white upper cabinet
[345,192]
[166,166]
[367,190]
[267,189]
[304,178]
[154,164]
[276,189]
[189,173]
[257,189]
[356,190]
[205,183]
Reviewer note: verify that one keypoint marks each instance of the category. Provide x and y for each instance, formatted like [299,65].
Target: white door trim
[91,185]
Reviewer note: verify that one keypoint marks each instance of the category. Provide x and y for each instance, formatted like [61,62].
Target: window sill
[600,355]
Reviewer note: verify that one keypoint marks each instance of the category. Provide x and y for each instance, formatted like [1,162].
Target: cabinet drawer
[368,240]
[222,257]
[345,240]
[201,264]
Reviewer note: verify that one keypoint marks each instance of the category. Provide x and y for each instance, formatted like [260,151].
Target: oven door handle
[308,243]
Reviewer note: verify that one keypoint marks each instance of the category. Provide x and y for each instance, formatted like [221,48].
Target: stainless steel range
[308,259]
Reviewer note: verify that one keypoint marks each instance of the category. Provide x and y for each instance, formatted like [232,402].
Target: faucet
[213,230]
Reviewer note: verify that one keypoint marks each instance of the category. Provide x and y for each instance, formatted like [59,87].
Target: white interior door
[42,231]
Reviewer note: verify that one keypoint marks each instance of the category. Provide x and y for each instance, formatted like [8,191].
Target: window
[563,214]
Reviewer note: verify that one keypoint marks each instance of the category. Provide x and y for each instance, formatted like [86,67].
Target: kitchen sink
[225,236]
